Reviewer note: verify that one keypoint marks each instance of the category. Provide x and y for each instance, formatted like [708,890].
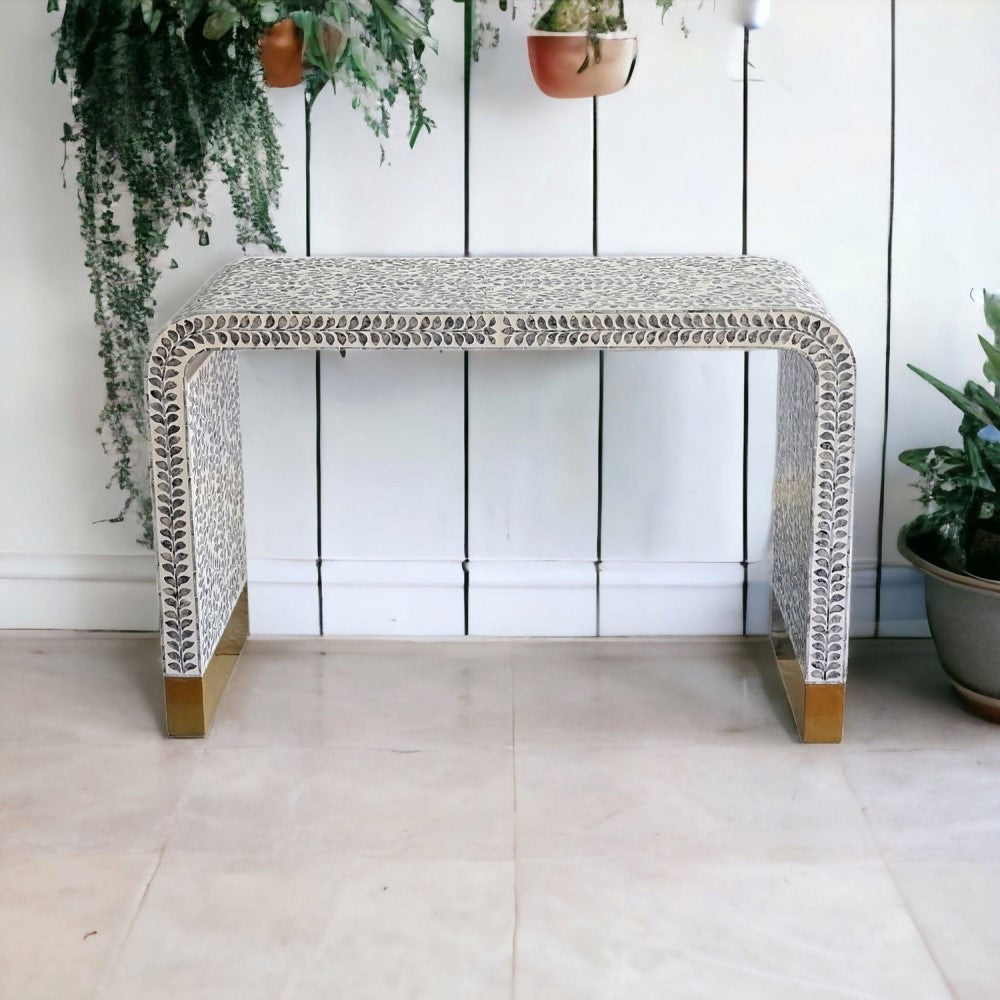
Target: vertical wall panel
[946,246]
[392,442]
[532,418]
[819,197]
[671,182]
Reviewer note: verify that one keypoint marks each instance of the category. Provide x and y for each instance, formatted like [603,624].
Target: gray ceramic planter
[964,615]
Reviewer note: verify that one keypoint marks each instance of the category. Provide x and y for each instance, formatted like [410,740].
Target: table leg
[192,701]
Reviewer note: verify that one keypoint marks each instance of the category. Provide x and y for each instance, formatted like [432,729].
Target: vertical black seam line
[745,561]
[318,382]
[600,392]
[888,318]
[466,98]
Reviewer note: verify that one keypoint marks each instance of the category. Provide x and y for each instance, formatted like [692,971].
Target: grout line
[892,877]
[745,561]
[112,963]
[467,104]
[109,969]
[880,534]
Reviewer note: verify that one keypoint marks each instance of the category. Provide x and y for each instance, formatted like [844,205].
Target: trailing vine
[167,95]
[158,106]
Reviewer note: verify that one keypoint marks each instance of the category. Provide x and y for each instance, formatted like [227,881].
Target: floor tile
[955,906]
[276,697]
[648,928]
[421,695]
[632,692]
[77,687]
[222,926]
[364,694]
[930,805]
[690,803]
[334,802]
[63,918]
[428,931]
[899,698]
[92,798]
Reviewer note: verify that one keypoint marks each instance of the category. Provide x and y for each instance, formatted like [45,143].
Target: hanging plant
[570,38]
[168,94]
[164,93]
[372,48]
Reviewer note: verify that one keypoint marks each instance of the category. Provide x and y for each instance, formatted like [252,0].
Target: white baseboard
[284,597]
[649,598]
[532,598]
[393,598]
[509,598]
[78,592]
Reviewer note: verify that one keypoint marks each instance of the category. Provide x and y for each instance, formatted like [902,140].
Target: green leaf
[916,458]
[965,405]
[223,17]
[991,309]
[992,367]
[982,480]
[979,395]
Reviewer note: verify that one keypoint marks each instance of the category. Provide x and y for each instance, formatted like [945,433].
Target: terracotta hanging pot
[281,54]
[578,64]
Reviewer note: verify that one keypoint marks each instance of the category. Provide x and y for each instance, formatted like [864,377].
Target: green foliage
[960,487]
[592,16]
[165,93]
[380,55]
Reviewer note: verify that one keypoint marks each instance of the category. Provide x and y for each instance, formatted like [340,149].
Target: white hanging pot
[755,13]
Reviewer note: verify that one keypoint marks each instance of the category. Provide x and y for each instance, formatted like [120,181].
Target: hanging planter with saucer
[581,48]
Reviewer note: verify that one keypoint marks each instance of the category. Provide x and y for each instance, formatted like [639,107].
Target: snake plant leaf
[400,20]
[992,367]
[956,397]
[991,310]
[979,395]
[978,466]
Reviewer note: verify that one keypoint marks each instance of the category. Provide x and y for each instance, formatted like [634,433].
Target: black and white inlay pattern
[509,304]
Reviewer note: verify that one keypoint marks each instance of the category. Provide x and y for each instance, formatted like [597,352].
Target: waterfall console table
[500,304]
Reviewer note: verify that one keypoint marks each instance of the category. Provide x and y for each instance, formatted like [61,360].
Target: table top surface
[510,285]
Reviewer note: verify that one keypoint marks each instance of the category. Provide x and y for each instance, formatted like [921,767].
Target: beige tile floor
[476,820]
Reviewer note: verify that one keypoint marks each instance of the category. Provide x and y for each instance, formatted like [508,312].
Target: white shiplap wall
[392,436]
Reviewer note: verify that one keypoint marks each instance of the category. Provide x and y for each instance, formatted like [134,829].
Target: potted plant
[582,48]
[166,95]
[956,541]
[373,48]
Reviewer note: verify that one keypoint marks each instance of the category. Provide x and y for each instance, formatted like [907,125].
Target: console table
[496,304]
